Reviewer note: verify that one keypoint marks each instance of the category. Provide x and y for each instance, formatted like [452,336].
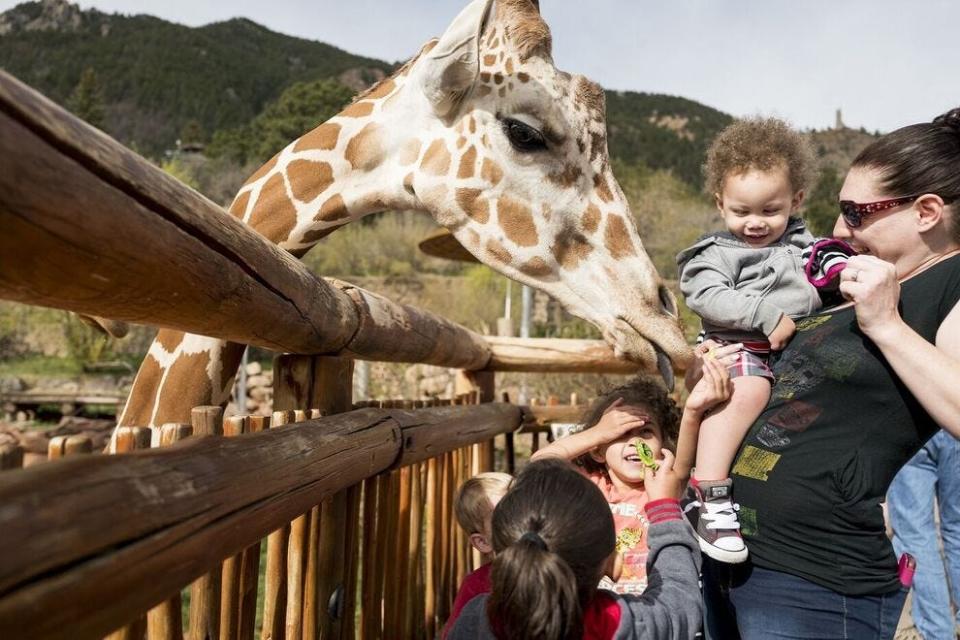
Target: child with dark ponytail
[554,537]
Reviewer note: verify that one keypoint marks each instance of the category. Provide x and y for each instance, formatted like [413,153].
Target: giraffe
[482,132]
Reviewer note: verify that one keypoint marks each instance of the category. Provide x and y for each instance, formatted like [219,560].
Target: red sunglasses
[853,212]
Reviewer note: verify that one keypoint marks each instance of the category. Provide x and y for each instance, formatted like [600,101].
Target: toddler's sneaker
[713,516]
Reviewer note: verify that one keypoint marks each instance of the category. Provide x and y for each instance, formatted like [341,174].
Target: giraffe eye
[522,136]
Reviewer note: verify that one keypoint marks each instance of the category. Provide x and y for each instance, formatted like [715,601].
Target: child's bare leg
[722,432]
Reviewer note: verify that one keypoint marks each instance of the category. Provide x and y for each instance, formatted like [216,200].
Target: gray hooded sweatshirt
[669,609]
[741,292]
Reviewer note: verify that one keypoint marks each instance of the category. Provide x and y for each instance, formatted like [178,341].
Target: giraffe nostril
[667,302]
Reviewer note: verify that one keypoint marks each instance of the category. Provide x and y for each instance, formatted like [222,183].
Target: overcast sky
[886,63]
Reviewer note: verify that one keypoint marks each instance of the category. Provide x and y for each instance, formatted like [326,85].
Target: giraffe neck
[348,167]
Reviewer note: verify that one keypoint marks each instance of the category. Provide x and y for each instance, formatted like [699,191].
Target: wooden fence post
[165,621]
[128,439]
[205,591]
[11,457]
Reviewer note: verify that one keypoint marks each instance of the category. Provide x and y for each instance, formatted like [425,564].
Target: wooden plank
[560,355]
[369,601]
[100,550]
[465,426]
[426,337]
[136,222]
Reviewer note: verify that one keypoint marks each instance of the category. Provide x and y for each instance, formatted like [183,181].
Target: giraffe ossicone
[484,133]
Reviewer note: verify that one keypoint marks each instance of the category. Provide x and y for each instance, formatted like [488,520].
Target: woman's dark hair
[645,390]
[921,158]
[553,533]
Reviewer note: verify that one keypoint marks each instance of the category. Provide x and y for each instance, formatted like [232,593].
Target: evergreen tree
[86,101]
[821,210]
[302,107]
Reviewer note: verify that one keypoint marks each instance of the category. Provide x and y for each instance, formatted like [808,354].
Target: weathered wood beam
[99,537]
[557,355]
[91,227]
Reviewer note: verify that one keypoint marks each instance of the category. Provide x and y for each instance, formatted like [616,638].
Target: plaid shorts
[751,364]
[752,360]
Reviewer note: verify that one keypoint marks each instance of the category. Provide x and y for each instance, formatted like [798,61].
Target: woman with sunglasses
[858,391]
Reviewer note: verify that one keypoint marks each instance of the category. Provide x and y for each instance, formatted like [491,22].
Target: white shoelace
[722,515]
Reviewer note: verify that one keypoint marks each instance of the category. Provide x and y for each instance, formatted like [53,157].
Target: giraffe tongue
[665,367]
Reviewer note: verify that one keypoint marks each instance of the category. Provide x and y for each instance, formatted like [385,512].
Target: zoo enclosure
[355,502]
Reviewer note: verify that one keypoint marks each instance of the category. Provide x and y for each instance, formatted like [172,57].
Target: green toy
[645,454]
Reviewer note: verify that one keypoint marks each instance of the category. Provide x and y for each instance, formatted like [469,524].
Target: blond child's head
[474,504]
[758,170]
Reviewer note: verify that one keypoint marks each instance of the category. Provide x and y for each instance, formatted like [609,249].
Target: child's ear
[480,543]
[718,198]
[597,456]
[798,199]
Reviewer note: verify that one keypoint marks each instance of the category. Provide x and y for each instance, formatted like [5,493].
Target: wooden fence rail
[99,537]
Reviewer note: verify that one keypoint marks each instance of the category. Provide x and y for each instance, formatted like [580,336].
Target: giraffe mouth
[664,366]
[663,361]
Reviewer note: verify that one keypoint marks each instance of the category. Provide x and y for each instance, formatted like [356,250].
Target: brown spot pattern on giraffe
[523,77]
[139,407]
[239,206]
[274,215]
[180,386]
[360,109]
[483,91]
[516,220]
[473,205]
[570,247]
[491,172]
[169,340]
[536,268]
[323,137]
[508,66]
[617,239]
[315,235]
[380,90]
[497,251]
[468,163]
[489,60]
[473,238]
[436,160]
[333,209]
[602,188]
[591,218]
[309,179]
[566,177]
[365,149]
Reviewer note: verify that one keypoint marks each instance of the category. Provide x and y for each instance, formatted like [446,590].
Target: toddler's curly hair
[761,144]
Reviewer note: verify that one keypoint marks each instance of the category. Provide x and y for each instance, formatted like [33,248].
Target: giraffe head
[483,132]
[511,156]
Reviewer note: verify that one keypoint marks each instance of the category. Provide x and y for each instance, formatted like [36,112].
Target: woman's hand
[871,284]
[708,349]
[664,482]
[618,420]
[714,388]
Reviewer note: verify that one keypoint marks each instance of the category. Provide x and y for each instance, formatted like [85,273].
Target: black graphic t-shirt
[813,469]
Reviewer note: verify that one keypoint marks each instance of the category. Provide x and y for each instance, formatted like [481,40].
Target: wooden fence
[350,506]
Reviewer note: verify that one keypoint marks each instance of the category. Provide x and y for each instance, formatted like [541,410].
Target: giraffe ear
[451,67]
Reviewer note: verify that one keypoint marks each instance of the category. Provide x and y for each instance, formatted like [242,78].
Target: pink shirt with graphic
[631,526]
